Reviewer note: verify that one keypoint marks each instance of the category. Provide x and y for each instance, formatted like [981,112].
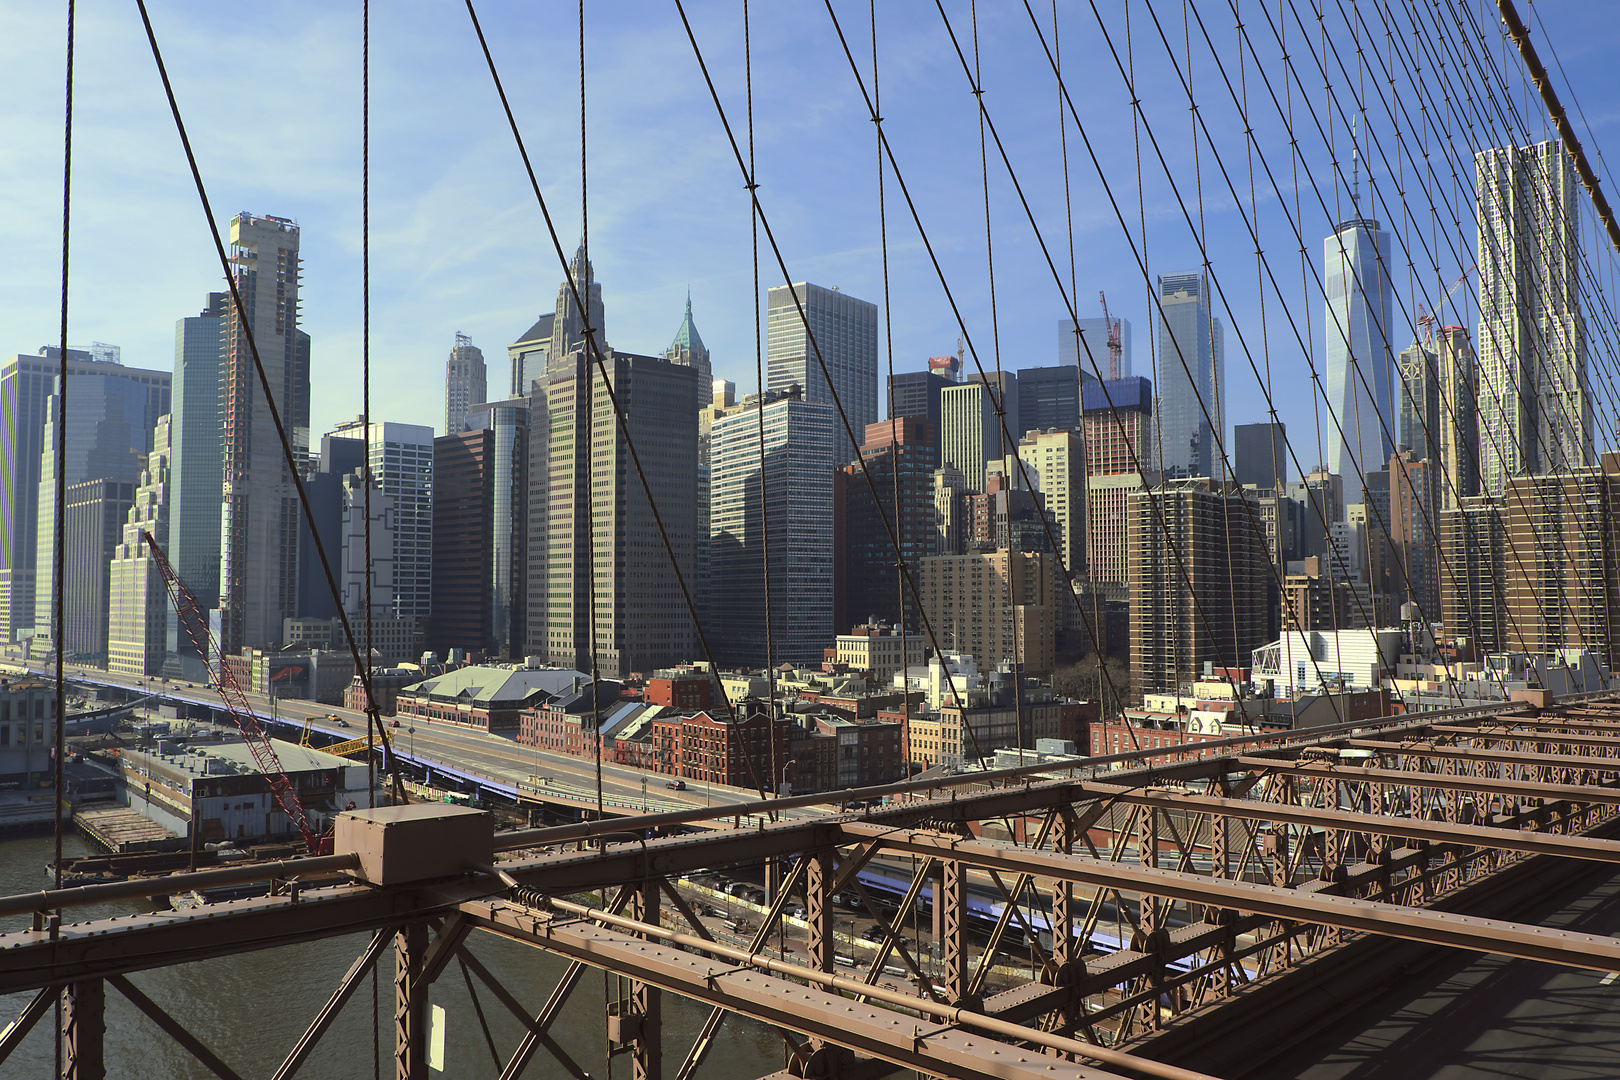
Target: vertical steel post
[819,910]
[84,1031]
[954,946]
[410,1004]
[647,1048]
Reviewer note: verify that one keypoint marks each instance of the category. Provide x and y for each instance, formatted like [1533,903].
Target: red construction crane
[257,739]
[1114,347]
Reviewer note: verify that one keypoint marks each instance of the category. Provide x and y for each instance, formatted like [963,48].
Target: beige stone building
[996,606]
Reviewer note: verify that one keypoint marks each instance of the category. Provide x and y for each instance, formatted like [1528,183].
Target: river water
[251,1009]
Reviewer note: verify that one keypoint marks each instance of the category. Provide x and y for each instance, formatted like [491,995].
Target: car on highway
[339,721]
[393,723]
[676,785]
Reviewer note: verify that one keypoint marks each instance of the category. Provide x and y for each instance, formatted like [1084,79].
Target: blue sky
[271,98]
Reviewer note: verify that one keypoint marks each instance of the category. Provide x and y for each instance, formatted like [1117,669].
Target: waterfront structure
[258,568]
[1191,405]
[137,600]
[528,356]
[688,350]
[196,475]
[27,731]
[1535,405]
[401,458]
[1048,398]
[1359,314]
[1197,580]
[1260,455]
[487,698]
[997,606]
[464,477]
[465,381]
[901,458]
[594,502]
[845,332]
[112,412]
[797,464]
[1117,424]
[506,517]
[970,432]
[1094,348]
[101,391]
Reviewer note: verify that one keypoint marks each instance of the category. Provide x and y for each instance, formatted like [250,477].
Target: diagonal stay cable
[894,537]
[372,713]
[596,352]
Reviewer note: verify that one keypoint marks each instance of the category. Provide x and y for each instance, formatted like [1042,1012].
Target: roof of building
[541,330]
[294,759]
[687,336]
[500,685]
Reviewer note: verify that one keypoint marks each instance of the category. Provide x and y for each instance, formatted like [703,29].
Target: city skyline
[465,249]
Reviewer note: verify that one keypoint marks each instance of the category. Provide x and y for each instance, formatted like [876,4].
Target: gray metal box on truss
[419,842]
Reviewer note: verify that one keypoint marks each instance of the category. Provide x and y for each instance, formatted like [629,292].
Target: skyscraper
[196,474]
[970,431]
[1094,348]
[402,469]
[465,381]
[528,356]
[901,456]
[137,602]
[596,505]
[506,516]
[1222,563]
[688,349]
[1117,422]
[129,399]
[797,462]
[846,335]
[258,566]
[323,487]
[1359,312]
[111,415]
[1260,455]
[1192,378]
[917,393]
[1535,408]
[463,471]
[1049,399]
[1459,417]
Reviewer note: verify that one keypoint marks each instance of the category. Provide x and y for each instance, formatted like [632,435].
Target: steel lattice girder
[1517,789]
[1475,753]
[1439,832]
[29,959]
[1324,909]
[906,1041]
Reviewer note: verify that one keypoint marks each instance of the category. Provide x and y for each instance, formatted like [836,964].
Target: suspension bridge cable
[596,355]
[269,398]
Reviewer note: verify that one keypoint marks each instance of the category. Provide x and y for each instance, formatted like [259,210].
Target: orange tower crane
[257,739]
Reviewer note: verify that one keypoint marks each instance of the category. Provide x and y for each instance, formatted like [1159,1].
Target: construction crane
[236,703]
[1427,320]
[1114,347]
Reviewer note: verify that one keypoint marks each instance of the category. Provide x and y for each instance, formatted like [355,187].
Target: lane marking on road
[1609,978]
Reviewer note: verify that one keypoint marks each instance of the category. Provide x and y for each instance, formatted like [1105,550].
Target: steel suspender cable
[596,354]
[582,289]
[373,722]
[264,386]
[59,555]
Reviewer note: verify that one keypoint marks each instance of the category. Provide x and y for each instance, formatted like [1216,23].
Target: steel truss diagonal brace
[1324,909]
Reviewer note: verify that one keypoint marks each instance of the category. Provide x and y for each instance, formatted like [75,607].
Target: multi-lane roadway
[454,752]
